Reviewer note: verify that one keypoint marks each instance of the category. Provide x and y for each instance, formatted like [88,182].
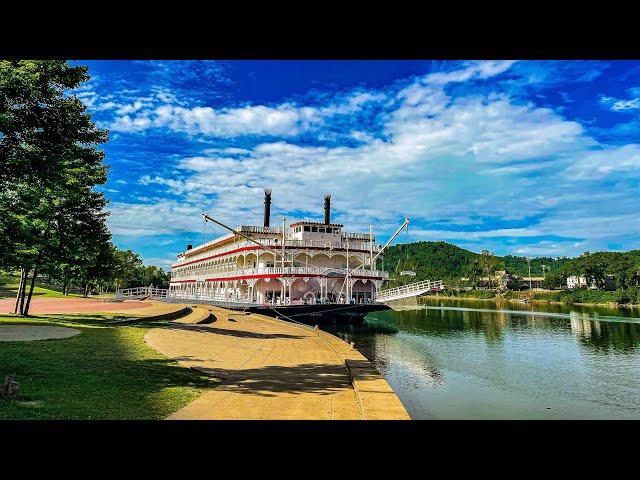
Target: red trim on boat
[267,275]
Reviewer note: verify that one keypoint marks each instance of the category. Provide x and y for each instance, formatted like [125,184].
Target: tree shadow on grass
[105,373]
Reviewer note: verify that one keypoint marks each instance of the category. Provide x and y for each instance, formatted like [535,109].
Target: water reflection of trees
[604,337]
[450,322]
[592,310]
[599,335]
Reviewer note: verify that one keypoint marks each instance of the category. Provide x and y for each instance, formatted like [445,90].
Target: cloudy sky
[520,157]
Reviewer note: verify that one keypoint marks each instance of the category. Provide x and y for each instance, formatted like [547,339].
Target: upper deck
[299,235]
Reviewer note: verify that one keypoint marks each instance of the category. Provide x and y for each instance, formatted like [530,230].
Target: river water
[459,359]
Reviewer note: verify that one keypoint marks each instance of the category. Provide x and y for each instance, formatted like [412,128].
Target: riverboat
[308,270]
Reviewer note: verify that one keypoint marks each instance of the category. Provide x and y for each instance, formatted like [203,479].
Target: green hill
[442,260]
[430,260]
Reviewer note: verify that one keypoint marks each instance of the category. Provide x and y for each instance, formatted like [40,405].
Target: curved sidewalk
[73,305]
[271,369]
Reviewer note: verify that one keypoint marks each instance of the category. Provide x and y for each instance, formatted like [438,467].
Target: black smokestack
[267,206]
[327,209]
[189,246]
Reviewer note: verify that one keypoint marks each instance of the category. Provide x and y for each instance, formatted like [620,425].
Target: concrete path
[72,305]
[272,369]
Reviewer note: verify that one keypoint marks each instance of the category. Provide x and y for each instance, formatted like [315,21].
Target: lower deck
[281,290]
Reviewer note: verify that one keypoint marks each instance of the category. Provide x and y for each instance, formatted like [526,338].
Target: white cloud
[618,105]
[155,218]
[597,164]
[478,69]
[284,120]
[486,155]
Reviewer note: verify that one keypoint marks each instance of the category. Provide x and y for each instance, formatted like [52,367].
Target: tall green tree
[127,267]
[49,165]
[488,262]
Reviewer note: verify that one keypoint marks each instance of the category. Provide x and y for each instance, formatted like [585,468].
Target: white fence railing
[411,290]
[141,292]
[311,271]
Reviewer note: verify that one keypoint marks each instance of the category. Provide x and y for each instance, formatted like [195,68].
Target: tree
[49,165]
[488,263]
[555,280]
[127,265]
[152,275]
[474,272]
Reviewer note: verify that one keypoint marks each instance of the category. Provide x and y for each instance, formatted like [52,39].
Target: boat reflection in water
[477,359]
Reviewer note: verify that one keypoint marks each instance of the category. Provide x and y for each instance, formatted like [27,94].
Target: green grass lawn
[106,372]
[9,288]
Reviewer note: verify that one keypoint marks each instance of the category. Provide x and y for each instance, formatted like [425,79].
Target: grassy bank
[9,288]
[105,372]
[470,294]
[631,296]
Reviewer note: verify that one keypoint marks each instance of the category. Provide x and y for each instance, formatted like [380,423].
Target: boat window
[307,228]
[321,229]
[314,229]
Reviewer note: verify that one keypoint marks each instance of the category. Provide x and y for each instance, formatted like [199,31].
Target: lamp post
[529,263]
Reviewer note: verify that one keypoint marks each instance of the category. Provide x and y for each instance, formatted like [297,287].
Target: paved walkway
[272,369]
[71,305]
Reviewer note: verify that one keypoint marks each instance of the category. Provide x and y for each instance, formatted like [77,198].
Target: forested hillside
[444,261]
[430,260]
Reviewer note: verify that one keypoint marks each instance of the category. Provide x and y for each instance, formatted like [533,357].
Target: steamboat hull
[328,313]
[321,314]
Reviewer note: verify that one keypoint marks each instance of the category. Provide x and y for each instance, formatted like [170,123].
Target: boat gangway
[410,290]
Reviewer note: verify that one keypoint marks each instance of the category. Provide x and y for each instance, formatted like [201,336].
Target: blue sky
[519,157]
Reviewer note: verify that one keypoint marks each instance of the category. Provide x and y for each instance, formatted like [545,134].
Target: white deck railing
[411,290]
[277,246]
[242,272]
[230,299]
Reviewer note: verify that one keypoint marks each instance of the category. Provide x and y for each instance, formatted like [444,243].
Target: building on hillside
[609,282]
[535,283]
[581,282]
[577,282]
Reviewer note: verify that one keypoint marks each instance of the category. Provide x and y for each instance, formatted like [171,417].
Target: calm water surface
[458,359]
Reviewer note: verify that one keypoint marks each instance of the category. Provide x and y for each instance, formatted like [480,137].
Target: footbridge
[410,290]
[140,293]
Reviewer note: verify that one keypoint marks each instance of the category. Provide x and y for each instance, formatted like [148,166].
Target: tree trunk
[20,288]
[86,290]
[24,290]
[33,281]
